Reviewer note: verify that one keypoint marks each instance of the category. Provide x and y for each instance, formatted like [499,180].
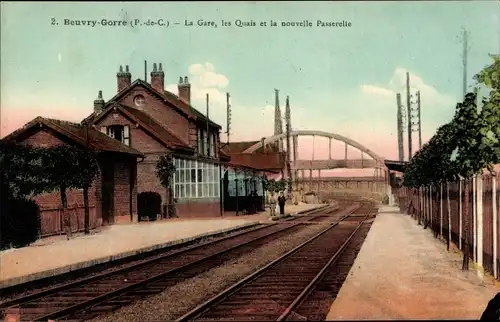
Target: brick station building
[154,121]
[112,196]
[142,122]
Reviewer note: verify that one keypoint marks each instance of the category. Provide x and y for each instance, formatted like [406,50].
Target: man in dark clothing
[492,311]
[254,202]
[248,203]
[281,203]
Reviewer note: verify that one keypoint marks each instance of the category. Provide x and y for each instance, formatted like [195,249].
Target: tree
[70,168]
[165,170]
[86,162]
[465,146]
[274,186]
[22,171]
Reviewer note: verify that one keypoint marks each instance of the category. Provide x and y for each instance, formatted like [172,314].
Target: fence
[442,208]
[52,219]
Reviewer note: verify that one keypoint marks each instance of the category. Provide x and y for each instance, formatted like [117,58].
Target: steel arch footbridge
[376,184]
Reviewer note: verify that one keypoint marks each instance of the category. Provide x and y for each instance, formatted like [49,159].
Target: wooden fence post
[460,214]
[430,208]
[479,226]
[441,209]
[449,213]
[495,223]
[474,220]
[421,198]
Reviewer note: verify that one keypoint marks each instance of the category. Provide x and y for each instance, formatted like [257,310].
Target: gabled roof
[171,97]
[178,104]
[142,119]
[239,147]
[74,132]
[235,147]
[223,155]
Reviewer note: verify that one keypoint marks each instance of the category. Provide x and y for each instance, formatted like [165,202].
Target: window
[212,145]
[202,142]
[195,179]
[236,187]
[205,143]
[118,132]
[247,182]
[139,100]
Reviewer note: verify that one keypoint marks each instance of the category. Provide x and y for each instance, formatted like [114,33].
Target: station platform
[403,272]
[55,255]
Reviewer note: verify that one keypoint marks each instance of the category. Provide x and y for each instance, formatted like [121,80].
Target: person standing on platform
[272,205]
[281,203]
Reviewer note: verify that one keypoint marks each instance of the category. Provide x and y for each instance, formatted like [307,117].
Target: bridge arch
[275,138]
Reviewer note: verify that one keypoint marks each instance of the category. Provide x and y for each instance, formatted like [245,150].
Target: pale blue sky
[335,76]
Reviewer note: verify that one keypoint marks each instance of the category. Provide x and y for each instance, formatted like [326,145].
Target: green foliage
[19,222]
[467,144]
[28,171]
[21,170]
[274,186]
[432,163]
[490,75]
[70,167]
[165,169]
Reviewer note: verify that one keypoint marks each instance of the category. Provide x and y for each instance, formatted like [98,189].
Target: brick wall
[43,138]
[147,180]
[122,188]
[139,139]
[50,203]
[193,136]
[163,114]
[198,208]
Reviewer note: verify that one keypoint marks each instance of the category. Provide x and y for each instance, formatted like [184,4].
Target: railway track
[86,298]
[277,290]
[316,304]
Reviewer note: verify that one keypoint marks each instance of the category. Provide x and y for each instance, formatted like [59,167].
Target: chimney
[158,79]
[99,104]
[124,78]
[184,89]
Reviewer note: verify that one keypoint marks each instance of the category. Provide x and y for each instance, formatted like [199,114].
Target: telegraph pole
[228,112]
[400,128]
[208,128]
[408,106]
[464,59]
[419,121]
[288,147]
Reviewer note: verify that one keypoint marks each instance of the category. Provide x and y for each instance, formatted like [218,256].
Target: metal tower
[278,124]
[288,143]
[400,123]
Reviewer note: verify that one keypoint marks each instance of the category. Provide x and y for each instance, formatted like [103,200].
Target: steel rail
[321,273]
[200,309]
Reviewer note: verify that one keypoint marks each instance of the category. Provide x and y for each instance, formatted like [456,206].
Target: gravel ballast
[177,300]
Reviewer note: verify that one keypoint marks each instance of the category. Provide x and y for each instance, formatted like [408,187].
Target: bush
[149,204]
[20,222]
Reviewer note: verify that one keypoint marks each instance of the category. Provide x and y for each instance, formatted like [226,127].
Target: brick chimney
[123,78]
[99,104]
[184,89]
[158,78]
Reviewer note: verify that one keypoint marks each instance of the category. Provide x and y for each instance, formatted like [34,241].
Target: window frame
[205,184]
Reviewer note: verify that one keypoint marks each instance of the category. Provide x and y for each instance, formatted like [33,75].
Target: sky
[341,80]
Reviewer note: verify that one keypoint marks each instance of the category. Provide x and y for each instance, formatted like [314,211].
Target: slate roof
[74,132]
